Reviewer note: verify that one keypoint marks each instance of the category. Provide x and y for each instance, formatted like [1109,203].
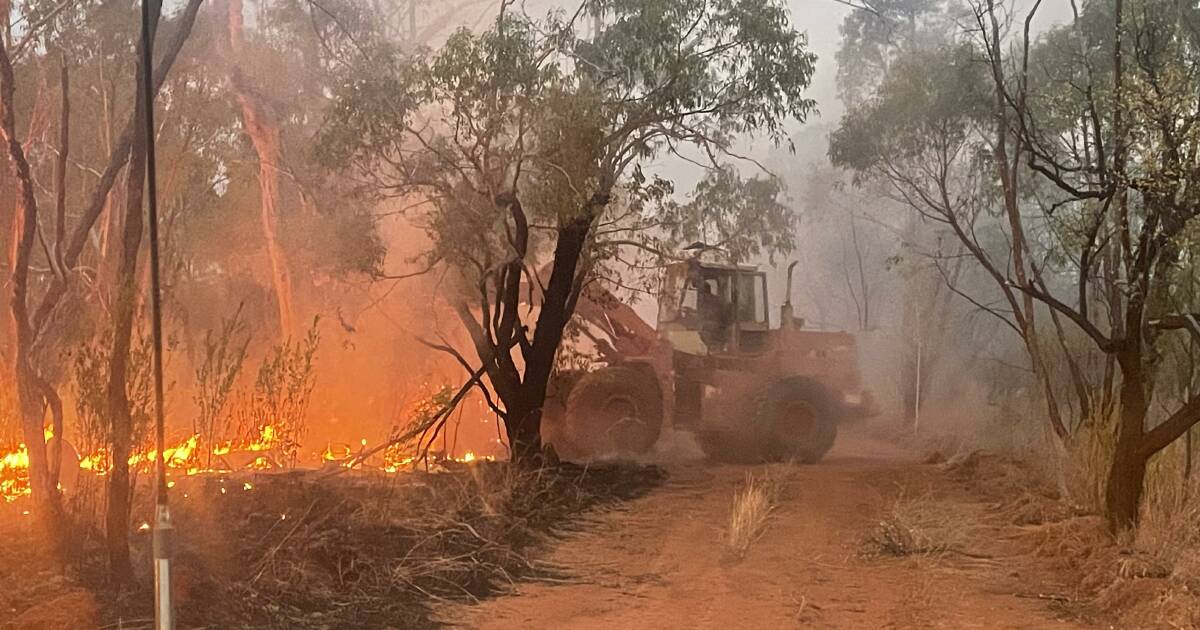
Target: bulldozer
[713,366]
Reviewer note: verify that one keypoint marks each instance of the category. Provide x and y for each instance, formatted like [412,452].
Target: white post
[917,397]
[164,616]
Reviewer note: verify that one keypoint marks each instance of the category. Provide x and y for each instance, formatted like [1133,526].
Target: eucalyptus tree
[876,40]
[1098,119]
[927,133]
[521,150]
[1119,146]
[880,31]
[38,322]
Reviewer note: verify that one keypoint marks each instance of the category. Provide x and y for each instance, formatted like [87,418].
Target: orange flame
[14,474]
[336,452]
[190,457]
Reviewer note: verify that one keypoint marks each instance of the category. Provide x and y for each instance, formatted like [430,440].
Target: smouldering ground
[305,550]
[660,561]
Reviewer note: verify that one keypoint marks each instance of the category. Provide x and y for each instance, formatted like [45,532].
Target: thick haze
[821,19]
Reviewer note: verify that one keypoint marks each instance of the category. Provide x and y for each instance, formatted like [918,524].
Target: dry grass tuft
[753,504]
[1075,544]
[916,527]
[1087,465]
[1031,508]
[998,477]
[1142,565]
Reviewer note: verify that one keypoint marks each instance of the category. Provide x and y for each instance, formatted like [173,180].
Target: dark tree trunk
[1123,494]
[562,291]
[117,519]
[523,391]
[117,398]
[43,483]
[523,427]
[119,414]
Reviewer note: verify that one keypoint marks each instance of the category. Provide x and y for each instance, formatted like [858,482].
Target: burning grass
[305,550]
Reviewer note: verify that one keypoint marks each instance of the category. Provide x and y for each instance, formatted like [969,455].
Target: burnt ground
[306,550]
[967,554]
[875,536]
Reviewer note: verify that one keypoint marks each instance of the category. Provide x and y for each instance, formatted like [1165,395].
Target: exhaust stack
[787,318]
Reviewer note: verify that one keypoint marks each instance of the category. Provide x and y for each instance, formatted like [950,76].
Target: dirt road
[660,562]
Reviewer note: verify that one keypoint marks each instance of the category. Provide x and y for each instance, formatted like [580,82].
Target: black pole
[163,612]
[152,203]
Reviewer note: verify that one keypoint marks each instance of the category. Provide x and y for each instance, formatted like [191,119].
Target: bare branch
[1103,341]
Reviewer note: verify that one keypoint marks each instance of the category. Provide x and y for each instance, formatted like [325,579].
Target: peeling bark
[262,126]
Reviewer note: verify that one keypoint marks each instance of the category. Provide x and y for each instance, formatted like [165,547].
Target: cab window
[674,294]
[750,291]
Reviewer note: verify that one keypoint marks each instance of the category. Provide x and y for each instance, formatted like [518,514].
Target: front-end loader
[713,366]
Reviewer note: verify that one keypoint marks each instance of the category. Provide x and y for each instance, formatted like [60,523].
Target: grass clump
[915,527]
[753,503]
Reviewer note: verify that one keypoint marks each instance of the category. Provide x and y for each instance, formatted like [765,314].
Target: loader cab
[707,308]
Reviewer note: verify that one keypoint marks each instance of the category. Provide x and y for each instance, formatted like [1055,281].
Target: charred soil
[304,550]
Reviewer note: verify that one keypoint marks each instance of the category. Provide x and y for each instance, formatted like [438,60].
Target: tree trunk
[43,486]
[558,305]
[263,128]
[523,427]
[1123,494]
[1042,374]
[1126,476]
[120,416]
[524,394]
[1008,170]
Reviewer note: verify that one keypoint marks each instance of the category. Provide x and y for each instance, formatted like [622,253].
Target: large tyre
[796,419]
[616,410]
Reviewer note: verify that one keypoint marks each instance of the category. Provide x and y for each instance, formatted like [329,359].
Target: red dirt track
[660,562]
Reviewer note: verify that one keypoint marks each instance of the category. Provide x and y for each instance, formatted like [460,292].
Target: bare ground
[660,561]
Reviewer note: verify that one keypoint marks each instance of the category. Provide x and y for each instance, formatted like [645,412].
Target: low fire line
[192,457]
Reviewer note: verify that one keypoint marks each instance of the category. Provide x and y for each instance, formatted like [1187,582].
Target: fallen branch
[421,430]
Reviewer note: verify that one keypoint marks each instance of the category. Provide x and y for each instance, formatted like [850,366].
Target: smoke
[857,272]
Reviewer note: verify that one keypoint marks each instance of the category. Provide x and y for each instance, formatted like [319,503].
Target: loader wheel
[614,411]
[795,419]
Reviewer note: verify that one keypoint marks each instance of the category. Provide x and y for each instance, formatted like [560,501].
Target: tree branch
[1162,435]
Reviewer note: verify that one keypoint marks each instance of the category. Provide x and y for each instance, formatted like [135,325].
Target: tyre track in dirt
[659,562]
